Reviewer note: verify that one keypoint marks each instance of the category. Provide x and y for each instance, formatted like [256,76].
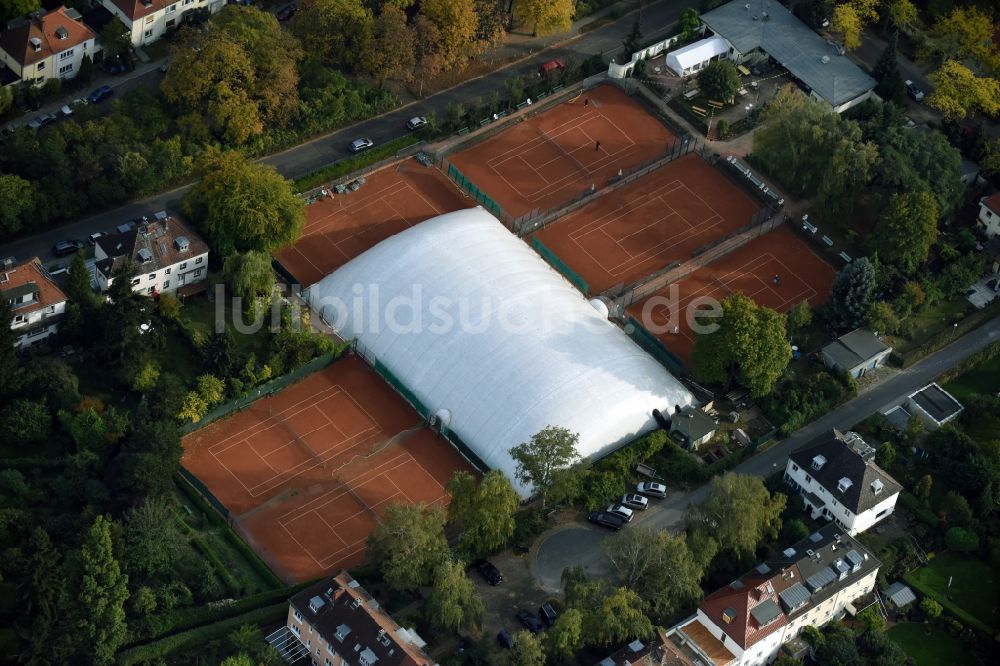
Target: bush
[528,524]
[919,511]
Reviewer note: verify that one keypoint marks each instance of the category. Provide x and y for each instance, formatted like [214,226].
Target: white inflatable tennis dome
[481,329]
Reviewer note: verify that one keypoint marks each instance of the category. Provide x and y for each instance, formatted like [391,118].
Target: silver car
[359,145]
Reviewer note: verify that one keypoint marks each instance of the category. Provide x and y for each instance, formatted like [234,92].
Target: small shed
[691,427]
[694,57]
[856,352]
[934,406]
[899,595]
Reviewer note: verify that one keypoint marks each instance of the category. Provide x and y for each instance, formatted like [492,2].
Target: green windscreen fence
[473,191]
[652,345]
[560,265]
[393,381]
[203,490]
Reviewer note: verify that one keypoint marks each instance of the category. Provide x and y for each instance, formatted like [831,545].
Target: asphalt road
[319,152]
[578,544]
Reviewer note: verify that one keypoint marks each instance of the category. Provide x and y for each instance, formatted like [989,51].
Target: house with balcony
[839,481]
[147,20]
[37,304]
[819,579]
[169,257]
[336,622]
[46,45]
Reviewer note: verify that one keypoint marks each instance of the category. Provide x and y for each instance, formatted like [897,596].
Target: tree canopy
[906,231]
[408,544]
[738,513]
[544,17]
[920,162]
[539,461]
[483,511]
[340,32]
[959,92]
[719,80]
[242,205]
[749,347]
[103,590]
[454,603]
[853,292]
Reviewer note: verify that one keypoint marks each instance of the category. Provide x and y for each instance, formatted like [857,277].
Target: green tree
[850,19]
[886,72]
[484,512]
[25,422]
[911,298]
[12,9]
[958,92]
[545,17]
[885,455]
[114,38]
[454,603]
[338,31]
[914,162]
[6,99]
[719,80]
[148,458]
[250,276]
[956,510]
[243,205]
[211,389]
[18,199]
[961,540]
[101,595]
[738,512]
[689,24]
[565,637]
[527,650]
[659,567]
[931,607]
[965,32]
[633,42]
[539,461]
[394,55]
[408,544]
[852,292]
[617,618]
[882,318]
[799,316]
[8,355]
[48,598]
[749,347]
[456,24]
[153,542]
[902,14]
[120,319]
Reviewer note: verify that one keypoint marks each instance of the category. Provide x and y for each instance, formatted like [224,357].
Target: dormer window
[844,484]
[729,615]
[343,631]
[36,44]
[62,33]
[181,243]
[818,462]
[145,255]
[877,486]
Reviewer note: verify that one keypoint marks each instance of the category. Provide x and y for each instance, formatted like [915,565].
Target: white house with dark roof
[989,215]
[36,302]
[760,29]
[46,45]
[167,254]
[745,623]
[856,352]
[839,481]
[147,20]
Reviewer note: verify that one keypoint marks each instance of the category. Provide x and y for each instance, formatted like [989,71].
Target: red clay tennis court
[547,159]
[633,231]
[306,472]
[751,269]
[342,226]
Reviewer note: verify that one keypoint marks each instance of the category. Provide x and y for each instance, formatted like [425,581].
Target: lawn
[201,312]
[982,379]
[923,326]
[974,591]
[929,645]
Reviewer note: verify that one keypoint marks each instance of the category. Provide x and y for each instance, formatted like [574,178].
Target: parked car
[287,12]
[622,511]
[651,489]
[505,640]
[489,571]
[92,238]
[100,94]
[66,247]
[548,614]
[604,519]
[58,269]
[415,123]
[914,91]
[634,501]
[530,622]
[43,120]
[551,66]
[358,145]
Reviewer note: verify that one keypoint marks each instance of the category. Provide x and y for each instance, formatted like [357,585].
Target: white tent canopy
[479,327]
[693,56]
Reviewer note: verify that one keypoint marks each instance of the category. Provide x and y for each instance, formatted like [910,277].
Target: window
[150,290]
[41,65]
[171,23]
[795,467]
[295,628]
[296,613]
[187,2]
[167,272]
[135,281]
[197,273]
[66,68]
[148,33]
[68,53]
[52,309]
[19,319]
[166,284]
[152,276]
[172,8]
[150,19]
[199,260]
[184,265]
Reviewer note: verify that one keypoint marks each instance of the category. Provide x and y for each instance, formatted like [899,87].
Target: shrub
[919,511]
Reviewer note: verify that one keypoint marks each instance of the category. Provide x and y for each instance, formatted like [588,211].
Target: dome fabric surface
[474,322]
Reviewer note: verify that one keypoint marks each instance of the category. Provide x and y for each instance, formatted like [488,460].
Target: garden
[929,645]
[965,586]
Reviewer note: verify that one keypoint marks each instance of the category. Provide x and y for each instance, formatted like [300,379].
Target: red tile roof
[30,276]
[742,596]
[55,32]
[137,9]
[993,203]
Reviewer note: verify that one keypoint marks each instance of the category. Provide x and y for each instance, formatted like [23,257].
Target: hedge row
[919,510]
[234,540]
[169,645]
[221,570]
[945,336]
[160,625]
[970,363]
[352,164]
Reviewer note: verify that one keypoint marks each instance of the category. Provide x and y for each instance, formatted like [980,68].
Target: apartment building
[168,255]
[37,303]
[839,481]
[46,45]
[147,20]
[817,580]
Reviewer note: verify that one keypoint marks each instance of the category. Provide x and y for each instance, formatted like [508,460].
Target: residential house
[337,622]
[839,480]
[660,650]
[46,45]
[932,405]
[147,20]
[989,215]
[856,352]
[815,581]
[168,256]
[37,303]
[692,427]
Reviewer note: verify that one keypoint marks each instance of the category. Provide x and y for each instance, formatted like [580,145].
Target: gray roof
[898,417]
[794,597]
[765,612]
[792,43]
[843,461]
[900,594]
[693,423]
[938,403]
[855,348]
